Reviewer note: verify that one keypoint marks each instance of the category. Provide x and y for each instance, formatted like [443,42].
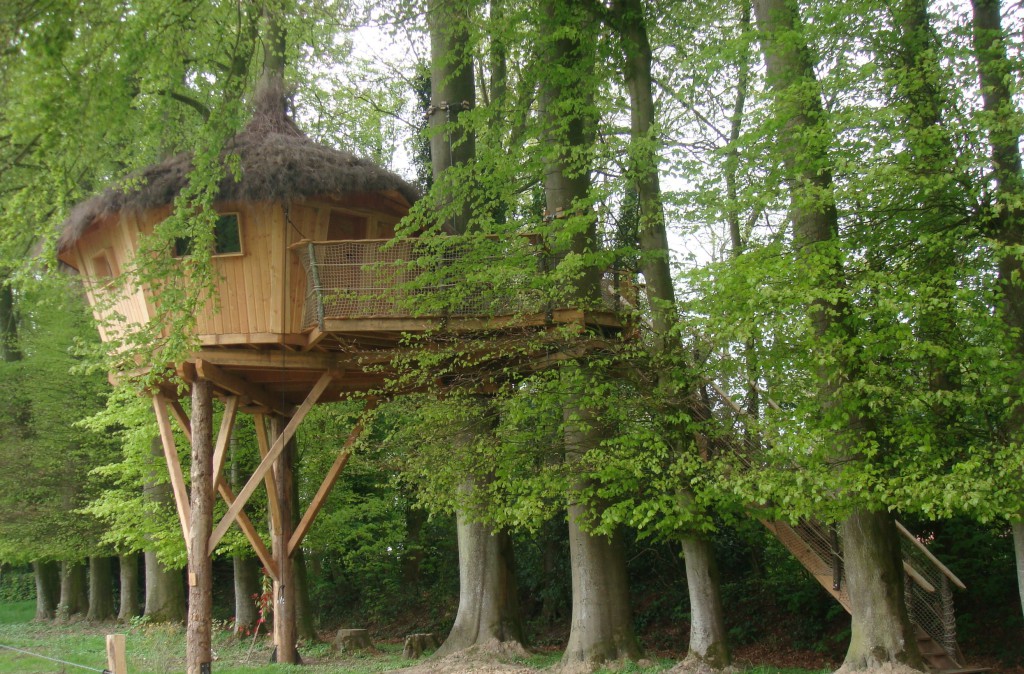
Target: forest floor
[159,649]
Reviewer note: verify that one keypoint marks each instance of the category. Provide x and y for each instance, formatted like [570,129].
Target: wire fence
[57,660]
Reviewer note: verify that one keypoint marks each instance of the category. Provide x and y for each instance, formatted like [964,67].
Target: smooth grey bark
[305,625]
[488,602]
[101,589]
[198,630]
[74,598]
[129,582]
[452,92]
[1006,216]
[874,577]
[880,631]
[247,586]
[602,626]
[708,636]
[165,589]
[47,577]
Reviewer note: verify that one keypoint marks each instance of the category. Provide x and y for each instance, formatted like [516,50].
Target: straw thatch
[278,163]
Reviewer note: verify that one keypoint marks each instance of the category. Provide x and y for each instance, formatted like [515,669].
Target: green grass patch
[160,649]
[15,612]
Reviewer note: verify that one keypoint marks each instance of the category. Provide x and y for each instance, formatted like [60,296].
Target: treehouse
[308,273]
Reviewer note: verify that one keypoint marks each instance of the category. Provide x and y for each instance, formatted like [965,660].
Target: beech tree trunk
[200,567]
[601,629]
[874,576]
[452,92]
[1006,216]
[881,632]
[101,589]
[165,590]
[602,624]
[708,638]
[488,602]
[247,588]
[129,578]
[47,576]
[74,598]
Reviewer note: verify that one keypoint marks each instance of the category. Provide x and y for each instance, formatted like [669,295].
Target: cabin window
[344,225]
[227,238]
[103,266]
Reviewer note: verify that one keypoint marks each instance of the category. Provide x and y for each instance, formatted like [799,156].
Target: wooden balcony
[394,286]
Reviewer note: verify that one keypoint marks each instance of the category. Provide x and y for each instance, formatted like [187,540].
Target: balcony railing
[451,277]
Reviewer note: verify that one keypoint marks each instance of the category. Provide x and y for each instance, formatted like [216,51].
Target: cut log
[415,644]
[352,640]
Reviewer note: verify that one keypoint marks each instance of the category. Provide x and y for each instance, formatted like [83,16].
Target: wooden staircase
[928,581]
[929,599]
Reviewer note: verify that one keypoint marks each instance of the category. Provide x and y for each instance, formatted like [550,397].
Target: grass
[160,649]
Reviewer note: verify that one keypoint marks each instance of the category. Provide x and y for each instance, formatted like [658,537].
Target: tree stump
[352,640]
[415,644]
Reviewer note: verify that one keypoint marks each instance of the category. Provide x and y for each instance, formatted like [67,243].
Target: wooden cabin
[309,276]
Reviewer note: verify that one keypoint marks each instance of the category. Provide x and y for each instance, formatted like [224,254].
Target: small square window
[227,238]
[103,266]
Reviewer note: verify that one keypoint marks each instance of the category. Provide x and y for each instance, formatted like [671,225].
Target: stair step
[968,670]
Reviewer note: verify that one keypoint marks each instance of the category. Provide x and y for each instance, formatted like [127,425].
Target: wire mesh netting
[432,277]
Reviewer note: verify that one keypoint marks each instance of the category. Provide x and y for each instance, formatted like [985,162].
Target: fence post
[116,660]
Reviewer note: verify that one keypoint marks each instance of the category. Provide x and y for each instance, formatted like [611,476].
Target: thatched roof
[278,163]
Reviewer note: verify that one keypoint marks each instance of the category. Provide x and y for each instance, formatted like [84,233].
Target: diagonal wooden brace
[227,425]
[271,483]
[329,481]
[173,464]
[268,460]
[245,524]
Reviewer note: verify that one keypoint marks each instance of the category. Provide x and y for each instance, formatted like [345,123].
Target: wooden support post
[173,465]
[284,589]
[329,481]
[198,653]
[117,659]
[269,459]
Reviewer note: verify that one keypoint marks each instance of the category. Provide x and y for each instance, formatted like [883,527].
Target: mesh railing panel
[931,611]
[435,277]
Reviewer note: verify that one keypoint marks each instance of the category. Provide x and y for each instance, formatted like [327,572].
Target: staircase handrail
[932,558]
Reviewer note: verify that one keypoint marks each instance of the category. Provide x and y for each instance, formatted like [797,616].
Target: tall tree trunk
[74,598]
[47,576]
[247,587]
[881,632]
[129,577]
[305,623]
[101,589]
[602,625]
[708,637]
[1006,217]
[601,629]
[488,601]
[452,92]
[198,652]
[165,590]
[413,559]
[874,576]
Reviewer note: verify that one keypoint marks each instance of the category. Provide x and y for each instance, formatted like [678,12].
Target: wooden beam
[329,481]
[173,464]
[307,360]
[245,524]
[240,387]
[268,460]
[181,417]
[227,424]
[264,445]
